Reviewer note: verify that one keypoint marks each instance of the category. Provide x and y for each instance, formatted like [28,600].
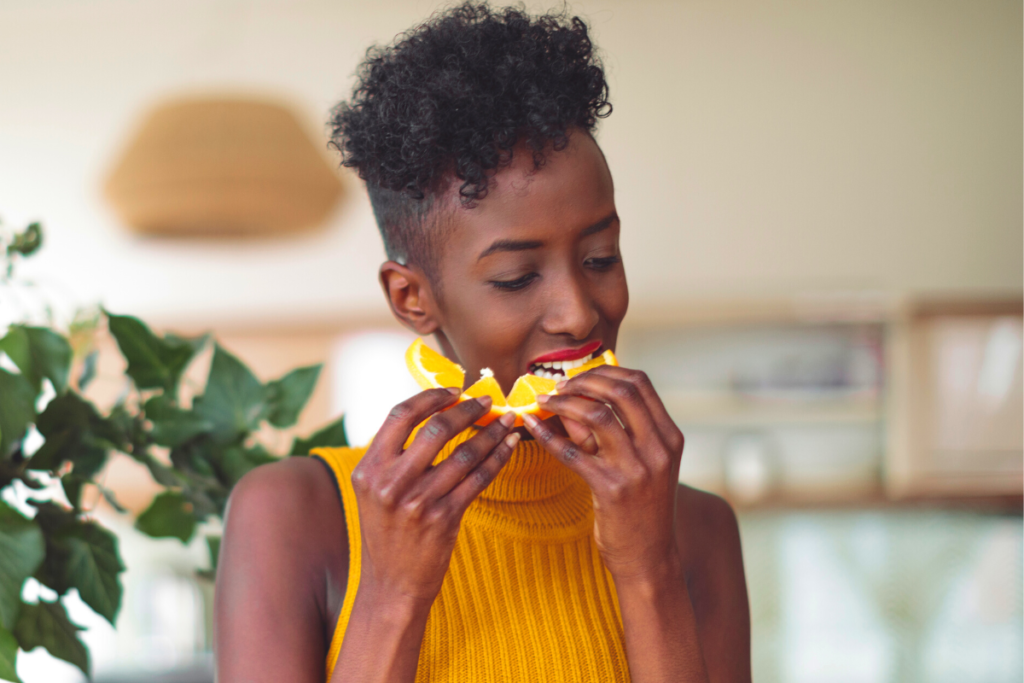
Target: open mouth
[556,369]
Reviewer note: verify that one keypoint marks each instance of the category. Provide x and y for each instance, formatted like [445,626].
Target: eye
[514,285]
[601,263]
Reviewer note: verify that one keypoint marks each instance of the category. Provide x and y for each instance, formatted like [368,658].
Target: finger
[567,452]
[666,426]
[466,456]
[594,415]
[438,431]
[406,415]
[481,476]
[629,404]
[581,436]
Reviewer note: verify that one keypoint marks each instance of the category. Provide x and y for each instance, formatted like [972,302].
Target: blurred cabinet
[794,409]
[956,400]
[783,411]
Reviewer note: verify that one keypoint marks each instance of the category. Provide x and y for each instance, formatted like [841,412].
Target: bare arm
[698,610]
[284,539]
[708,537]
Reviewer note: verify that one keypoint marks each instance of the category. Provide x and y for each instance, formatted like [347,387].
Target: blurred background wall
[822,224]
[758,150]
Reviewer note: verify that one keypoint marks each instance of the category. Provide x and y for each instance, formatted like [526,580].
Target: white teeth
[556,369]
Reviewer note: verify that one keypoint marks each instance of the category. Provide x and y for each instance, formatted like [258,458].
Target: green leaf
[88,370]
[53,519]
[39,353]
[8,656]
[168,516]
[196,458]
[173,426]
[74,432]
[333,435]
[51,356]
[17,410]
[213,545]
[72,485]
[27,242]
[287,396]
[93,566]
[46,624]
[53,452]
[194,343]
[153,363]
[235,461]
[234,400]
[161,473]
[21,552]
[111,499]
[15,345]
[69,411]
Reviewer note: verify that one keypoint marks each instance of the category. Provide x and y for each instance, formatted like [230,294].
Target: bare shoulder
[706,526]
[281,493]
[708,537]
[283,557]
[289,509]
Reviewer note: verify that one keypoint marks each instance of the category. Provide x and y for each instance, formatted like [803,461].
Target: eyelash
[519,283]
[602,263]
[514,285]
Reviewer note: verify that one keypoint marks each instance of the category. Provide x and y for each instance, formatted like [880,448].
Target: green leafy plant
[52,436]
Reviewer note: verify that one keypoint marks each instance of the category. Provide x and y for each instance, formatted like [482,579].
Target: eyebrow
[510,245]
[525,245]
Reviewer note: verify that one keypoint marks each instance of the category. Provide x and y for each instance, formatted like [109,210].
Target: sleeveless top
[526,597]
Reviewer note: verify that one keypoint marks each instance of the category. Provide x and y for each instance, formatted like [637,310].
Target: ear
[410,297]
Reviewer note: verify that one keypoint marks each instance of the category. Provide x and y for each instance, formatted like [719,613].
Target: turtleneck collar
[533,495]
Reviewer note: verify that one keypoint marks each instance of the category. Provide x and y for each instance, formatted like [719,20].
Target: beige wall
[759,149]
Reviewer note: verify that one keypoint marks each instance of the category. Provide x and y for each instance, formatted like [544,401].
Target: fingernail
[485,401]
[543,398]
[530,421]
[512,439]
[508,419]
[561,385]
[455,391]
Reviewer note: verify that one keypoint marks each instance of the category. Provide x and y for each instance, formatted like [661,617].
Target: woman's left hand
[626,447]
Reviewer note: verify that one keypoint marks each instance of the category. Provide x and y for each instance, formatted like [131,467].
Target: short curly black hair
[450,99]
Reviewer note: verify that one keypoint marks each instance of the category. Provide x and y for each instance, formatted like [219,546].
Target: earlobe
[408,294]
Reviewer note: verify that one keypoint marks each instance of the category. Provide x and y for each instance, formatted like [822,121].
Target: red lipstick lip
[568,354]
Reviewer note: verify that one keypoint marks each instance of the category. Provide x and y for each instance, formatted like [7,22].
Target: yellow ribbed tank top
[526,597]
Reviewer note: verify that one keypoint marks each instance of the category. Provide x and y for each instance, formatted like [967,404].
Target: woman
[565,551]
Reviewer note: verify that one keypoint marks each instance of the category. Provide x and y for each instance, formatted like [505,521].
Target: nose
[571,310]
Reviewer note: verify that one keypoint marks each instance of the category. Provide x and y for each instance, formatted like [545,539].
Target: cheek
[613,300]
[489,330]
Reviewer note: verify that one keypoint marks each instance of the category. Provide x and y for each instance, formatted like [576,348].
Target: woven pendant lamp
[220,166]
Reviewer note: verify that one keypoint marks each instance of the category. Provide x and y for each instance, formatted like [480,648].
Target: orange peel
[431,370]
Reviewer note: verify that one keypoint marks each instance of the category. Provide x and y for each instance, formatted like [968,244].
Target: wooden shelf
[730,409]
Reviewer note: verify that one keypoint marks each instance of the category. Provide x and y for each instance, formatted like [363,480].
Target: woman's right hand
[409,509]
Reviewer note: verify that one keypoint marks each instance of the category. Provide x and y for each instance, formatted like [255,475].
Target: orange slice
[522,400]
[486,386]
[432,370]
[606,358]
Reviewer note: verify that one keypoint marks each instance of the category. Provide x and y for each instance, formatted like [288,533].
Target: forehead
[572,190]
